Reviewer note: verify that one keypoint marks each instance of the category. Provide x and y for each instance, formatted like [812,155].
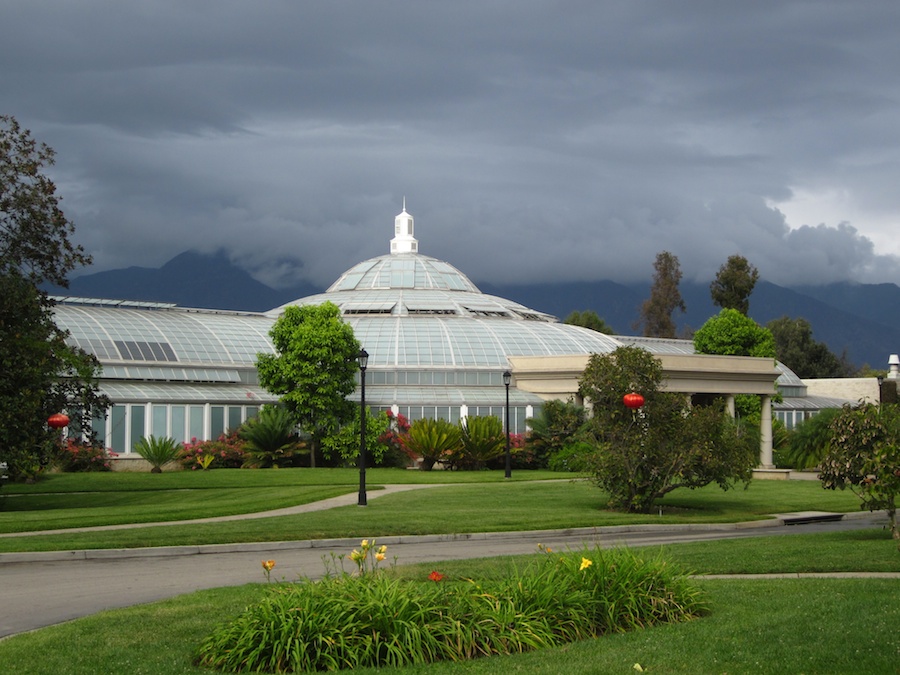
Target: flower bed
[369,619]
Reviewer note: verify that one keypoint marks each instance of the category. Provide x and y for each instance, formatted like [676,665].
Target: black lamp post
[507,378]
[363,359]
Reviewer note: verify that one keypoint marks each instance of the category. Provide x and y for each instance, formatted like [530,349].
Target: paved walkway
[33,594]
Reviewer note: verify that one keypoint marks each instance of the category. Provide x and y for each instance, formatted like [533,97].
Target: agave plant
[157,451]
[271,439]
[432,440]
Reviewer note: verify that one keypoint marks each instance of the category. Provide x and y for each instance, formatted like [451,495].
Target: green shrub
[73,456]
[271,439]
[226,452]
[431,440]
[554,429]
[375,621]
[342,447]
[481,440]
[571,457]
[158,451]
[810,440]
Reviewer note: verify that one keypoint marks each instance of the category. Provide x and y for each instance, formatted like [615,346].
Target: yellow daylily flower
[585,563]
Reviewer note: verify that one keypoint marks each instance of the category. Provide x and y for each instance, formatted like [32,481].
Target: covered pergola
[556,377]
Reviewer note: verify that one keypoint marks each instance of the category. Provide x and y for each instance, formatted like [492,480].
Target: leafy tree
[733,284]
[554,428]
[343,445]
[41,373]
[731,333]
[589,319]
[271,438]
[864,455]
[34,232]
[312,369]
[642,455]
[665,298]
[431,440]
[796,348]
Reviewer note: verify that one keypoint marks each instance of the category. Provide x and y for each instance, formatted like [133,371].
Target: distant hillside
[190,279]
[877,302]
[863,319]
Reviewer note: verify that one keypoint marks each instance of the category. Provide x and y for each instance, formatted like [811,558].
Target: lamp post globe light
[363,359]
[507,378]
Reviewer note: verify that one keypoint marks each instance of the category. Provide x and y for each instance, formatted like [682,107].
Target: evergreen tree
[589,319]
[796,348]
[733,284]
[665,298]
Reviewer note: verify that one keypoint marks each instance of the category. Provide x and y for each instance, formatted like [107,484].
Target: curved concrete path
[32,595]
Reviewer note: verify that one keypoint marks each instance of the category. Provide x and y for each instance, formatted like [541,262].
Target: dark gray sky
[533,140]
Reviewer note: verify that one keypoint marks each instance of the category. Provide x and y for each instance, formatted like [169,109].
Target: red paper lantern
[633,400]
[58,421]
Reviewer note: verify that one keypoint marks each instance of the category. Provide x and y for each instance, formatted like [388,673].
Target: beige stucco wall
[849,388]
[557,376]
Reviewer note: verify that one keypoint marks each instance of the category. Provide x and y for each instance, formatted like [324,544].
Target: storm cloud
[532,140]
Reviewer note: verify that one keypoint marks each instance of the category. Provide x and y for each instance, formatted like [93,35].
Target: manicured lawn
[490,504]
[758,626]
[485,503]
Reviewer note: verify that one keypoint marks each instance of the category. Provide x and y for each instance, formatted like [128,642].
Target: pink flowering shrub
[73,456]
[227,452]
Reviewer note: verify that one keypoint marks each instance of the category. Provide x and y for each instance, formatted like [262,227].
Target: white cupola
[404,241]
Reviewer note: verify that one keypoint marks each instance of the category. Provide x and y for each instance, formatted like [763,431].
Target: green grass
[756,626]
[489,504]
[785,625]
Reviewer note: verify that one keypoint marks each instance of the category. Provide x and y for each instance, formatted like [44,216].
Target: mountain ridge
[862,320]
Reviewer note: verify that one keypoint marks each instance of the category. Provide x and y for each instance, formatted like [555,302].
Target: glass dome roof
[406,270]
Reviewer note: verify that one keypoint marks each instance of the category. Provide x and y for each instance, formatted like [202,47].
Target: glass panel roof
[119,334]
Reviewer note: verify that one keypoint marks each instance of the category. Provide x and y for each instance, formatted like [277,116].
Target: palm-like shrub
[481,440]
[554,430]
[271,439]
[158,451]
[432,440]
[811,439]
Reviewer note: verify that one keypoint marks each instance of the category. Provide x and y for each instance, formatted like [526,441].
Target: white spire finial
[404,241]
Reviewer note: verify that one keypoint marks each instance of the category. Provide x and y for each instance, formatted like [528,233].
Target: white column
[765,434]
[729,405]
[207,421]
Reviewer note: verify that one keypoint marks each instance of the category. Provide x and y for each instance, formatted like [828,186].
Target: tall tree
[665,298]
[42,374]
[313,368]
[642,455]
[731,333]
[35,235]
[733,284]
[796,348]
[589,319]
